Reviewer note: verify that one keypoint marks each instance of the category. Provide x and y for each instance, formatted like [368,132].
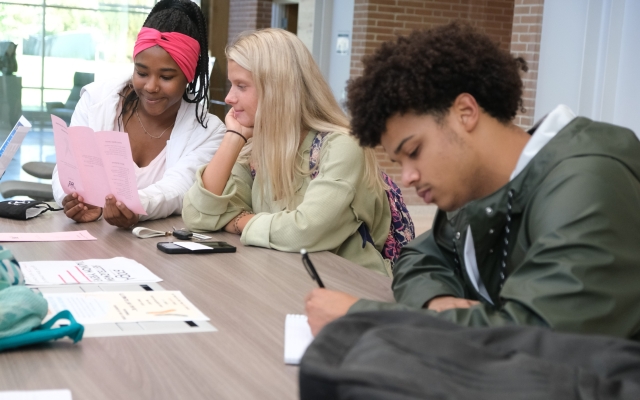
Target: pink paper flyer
[96,164]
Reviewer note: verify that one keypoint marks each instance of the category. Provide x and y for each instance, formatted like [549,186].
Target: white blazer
[190,146]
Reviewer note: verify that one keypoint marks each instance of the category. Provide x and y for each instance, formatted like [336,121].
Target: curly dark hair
[426,71]
[182,16]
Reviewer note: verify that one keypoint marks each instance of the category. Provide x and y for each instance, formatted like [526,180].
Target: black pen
[310,268]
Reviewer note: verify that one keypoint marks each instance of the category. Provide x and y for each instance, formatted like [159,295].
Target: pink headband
[184,49]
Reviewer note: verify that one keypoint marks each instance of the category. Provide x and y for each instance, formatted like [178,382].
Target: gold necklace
[145,129]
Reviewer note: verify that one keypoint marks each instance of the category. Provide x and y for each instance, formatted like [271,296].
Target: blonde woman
[288,175]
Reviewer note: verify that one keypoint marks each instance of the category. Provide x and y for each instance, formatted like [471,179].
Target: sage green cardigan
[324,215]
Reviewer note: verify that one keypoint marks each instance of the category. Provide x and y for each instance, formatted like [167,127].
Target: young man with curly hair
[533,228]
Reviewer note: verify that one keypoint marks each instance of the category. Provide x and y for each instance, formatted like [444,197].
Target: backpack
[410,355]
[401,230]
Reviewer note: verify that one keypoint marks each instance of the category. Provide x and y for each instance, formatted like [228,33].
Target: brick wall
[248,15]
[376,21]
[525,42]
[264,14]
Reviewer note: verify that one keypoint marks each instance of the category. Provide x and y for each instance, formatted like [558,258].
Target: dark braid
[182,16]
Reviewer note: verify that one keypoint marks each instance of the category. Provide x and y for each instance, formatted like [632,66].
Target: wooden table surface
[246,295]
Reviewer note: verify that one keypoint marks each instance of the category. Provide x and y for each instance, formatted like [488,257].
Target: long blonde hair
[292,97]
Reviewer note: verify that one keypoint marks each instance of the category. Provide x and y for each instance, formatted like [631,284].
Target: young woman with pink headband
[163,108]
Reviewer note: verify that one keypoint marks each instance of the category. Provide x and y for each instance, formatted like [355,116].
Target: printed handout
[12,143]
[106,307]
[96,164]
[113,270]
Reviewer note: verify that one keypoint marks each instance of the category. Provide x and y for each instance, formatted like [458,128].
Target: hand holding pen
[321,305]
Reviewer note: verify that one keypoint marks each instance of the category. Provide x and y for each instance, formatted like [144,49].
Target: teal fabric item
[10,272]
[44,333]
[21,310]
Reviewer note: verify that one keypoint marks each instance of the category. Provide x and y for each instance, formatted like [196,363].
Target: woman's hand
[232,123]
[75,209]
[117,214]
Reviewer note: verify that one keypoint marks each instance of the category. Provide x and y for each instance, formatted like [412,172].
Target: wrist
[241,220]
[236,138]
[245,220]
[239,133]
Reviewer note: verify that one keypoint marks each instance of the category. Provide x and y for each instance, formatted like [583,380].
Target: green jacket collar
[487,216]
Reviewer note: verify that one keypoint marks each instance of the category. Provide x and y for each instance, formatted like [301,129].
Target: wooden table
[246,294]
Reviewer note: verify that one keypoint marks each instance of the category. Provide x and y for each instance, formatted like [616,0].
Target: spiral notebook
[297,337]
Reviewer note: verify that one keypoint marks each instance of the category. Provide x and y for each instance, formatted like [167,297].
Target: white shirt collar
[550,126]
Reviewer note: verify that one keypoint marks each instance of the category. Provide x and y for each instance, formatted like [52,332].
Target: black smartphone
[209,247]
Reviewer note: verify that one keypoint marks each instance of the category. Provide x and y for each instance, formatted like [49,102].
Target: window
[57,38]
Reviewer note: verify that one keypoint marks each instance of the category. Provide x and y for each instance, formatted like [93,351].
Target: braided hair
[182,16]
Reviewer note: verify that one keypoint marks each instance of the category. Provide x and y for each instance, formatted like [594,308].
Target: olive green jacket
[573,253]
[325,215]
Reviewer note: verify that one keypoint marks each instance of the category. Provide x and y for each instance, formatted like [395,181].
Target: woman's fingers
[72,212]
[72,197]
[118,214]
[231,122]
[110,210]
[124,210]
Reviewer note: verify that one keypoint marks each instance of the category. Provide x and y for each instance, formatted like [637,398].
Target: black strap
[49,208]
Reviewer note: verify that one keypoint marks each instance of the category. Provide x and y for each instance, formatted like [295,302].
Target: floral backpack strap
[253,171]
[314,153]
[401,230]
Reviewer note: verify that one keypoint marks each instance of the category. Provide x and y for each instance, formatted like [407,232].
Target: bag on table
[408,355]
[24,209]
[22,311]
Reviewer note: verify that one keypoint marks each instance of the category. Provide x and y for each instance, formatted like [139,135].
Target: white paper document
[297,337]
[107,307]
[192,245]
[59,394]
[12,143]
[112,270]
[96,164]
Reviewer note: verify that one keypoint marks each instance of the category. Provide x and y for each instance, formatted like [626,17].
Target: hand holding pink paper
[116,213]
[96,164]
